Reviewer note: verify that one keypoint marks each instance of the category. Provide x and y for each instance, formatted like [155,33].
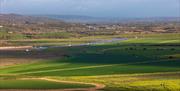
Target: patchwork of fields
[148,63]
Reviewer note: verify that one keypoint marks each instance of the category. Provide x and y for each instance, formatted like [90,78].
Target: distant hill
[89,19]
[76,18]
[31,24]
[10,18]
[84,25]
[22,19]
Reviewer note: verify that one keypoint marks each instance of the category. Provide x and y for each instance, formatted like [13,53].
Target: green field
[37,84]
[147,63]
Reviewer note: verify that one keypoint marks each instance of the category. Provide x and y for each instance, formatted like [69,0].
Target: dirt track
[97,87]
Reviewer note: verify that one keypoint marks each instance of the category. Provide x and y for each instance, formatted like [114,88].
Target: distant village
[28,26]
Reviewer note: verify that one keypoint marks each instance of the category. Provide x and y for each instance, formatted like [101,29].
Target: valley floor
[151,63]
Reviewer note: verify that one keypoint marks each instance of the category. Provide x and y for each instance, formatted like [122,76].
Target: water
[97,42]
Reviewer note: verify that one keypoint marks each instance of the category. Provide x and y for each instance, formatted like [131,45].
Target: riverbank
[16,48]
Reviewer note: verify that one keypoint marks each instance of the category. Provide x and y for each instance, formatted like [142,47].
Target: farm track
[97,87]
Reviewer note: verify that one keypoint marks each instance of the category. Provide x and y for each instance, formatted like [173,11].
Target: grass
[46,41]
[38,84]
[55,41]
[149,63]
[133,82]
[11,36]
[112,59]
[158,84]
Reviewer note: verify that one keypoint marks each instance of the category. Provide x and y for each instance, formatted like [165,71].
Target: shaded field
[104,60]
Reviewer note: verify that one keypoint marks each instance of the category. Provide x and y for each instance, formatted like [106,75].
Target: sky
[96,8]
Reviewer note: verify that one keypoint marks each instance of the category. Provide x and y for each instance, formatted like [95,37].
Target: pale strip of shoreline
[16,47]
